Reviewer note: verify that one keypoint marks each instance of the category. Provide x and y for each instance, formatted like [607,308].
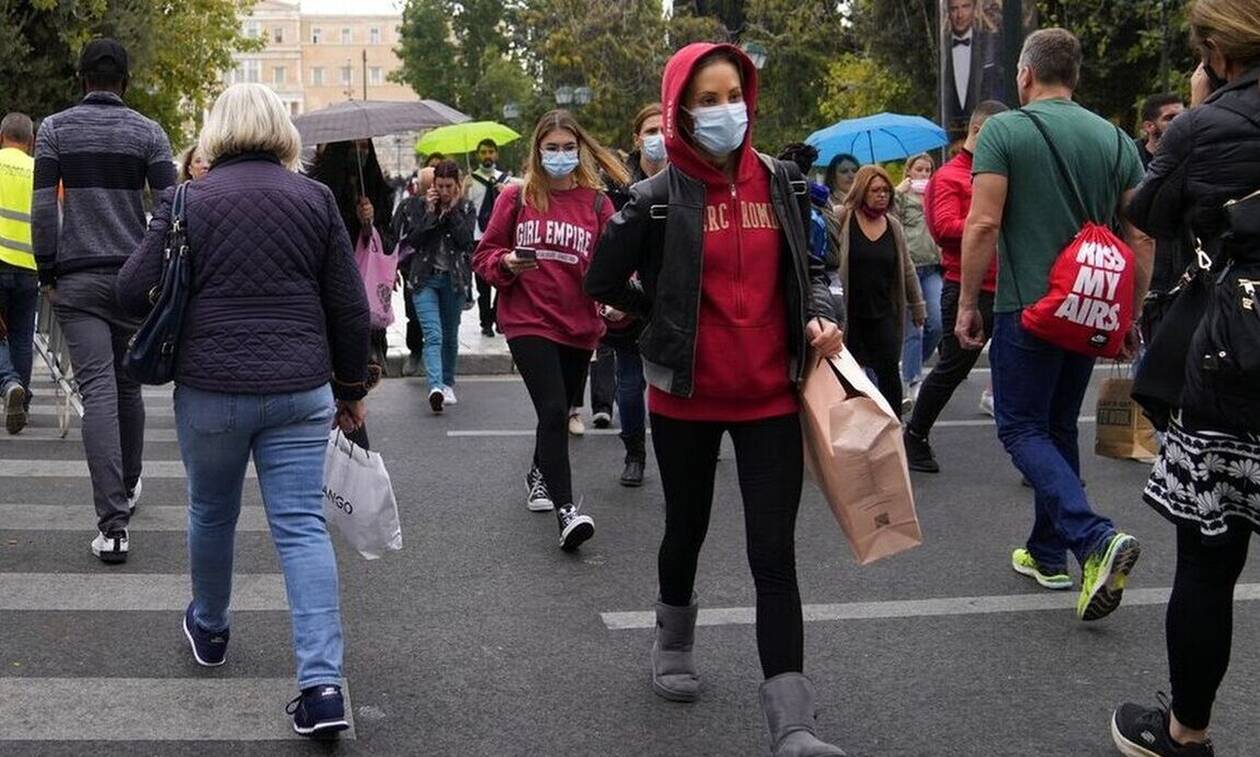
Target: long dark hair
[834,167]
[337,167]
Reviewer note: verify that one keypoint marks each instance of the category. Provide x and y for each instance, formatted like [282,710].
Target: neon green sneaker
[1106,572]
[1023,563]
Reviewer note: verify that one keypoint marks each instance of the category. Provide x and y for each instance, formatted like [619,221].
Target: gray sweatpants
[96,333]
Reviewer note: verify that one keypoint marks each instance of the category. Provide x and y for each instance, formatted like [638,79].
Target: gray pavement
[481,638]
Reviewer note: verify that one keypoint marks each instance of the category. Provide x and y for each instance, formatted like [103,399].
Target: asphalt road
[481,638]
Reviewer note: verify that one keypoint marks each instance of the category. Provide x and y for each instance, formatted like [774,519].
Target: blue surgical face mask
[560,163]
[720,129]
[654,147]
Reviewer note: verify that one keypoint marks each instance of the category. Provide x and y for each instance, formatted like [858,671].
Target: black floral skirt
[1210,479]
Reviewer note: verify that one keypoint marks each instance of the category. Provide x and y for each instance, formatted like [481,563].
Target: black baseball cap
[103,57]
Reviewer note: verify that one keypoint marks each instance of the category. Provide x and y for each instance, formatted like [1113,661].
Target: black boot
[636,458]
[919,453]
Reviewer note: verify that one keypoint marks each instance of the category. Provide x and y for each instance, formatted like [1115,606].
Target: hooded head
[680,96]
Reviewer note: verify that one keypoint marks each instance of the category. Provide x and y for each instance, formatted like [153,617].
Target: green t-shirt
[1041,216]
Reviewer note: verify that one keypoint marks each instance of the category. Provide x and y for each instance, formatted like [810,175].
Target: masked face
[716,105]
[650,140]
[559,153]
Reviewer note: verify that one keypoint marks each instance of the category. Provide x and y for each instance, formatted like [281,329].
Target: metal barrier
[51,345]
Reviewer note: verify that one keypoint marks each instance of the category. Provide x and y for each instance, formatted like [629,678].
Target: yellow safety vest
[17,180]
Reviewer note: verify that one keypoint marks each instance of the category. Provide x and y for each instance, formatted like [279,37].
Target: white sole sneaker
[579,530]
[134,500]
[193,646]
[111,551]
[15,409]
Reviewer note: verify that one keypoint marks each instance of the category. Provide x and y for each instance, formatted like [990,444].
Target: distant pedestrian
[482,188]
[879,277]
[191,165]
[736,306]
[1207,478]
[102,155]
[438,226]
[1024,208]
[277,313]
[19,285]
[919,342]
[535,251]
[1158,112]
[946,204]
[839,178]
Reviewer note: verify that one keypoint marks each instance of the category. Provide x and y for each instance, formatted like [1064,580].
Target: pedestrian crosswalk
[48,696]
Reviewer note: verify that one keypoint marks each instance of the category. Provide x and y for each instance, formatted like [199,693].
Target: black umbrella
[364,119]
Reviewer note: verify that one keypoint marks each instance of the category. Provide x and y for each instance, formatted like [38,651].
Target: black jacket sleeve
[1161,202]
[621,253]
[143,269]
[820,304]
[345,309]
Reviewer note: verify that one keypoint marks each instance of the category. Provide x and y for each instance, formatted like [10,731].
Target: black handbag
[151,353]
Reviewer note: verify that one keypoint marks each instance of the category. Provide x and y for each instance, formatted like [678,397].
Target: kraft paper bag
[1124,432]
[855,454]
[359,498]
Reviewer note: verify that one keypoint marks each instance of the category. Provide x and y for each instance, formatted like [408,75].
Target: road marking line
[150,709]
[508,433]
[130,591]
[912,608]
[79,469]
[81,518]
[150,410]
[154,436]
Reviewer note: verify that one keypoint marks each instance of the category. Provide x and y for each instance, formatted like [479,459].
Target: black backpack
[492,193]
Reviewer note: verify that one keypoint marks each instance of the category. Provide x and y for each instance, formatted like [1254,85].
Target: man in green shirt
[1024,210]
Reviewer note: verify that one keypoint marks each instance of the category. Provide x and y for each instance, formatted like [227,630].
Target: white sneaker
[448,395]
[111,548]
[986,403]
[133,498]
[576,426]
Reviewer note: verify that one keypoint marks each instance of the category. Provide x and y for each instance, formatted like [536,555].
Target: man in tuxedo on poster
[972,70]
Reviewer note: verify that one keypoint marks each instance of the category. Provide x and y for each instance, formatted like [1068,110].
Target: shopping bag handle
[850,391]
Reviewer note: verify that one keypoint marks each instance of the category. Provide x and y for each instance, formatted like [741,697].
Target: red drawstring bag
[1088,308]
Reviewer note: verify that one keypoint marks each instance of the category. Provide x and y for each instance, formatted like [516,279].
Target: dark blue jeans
[1037,394]
[19,299]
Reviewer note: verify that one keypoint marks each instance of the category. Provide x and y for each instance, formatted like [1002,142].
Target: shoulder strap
[1064,173]
[483,181]
[600,198]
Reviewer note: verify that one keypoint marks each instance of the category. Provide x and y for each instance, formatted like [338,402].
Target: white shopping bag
[359,499]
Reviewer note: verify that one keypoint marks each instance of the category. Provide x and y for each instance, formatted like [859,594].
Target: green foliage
[178,51]
[857,86]
[900,40]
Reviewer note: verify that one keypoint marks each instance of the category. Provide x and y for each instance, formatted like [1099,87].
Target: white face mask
[918,185]
[654,147]
[720,129]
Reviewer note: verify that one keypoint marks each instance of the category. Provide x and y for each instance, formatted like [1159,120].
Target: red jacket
[945,205]
[741,358]
[547,302]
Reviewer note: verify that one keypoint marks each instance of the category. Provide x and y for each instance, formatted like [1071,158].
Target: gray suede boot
[673,668]
[788,703]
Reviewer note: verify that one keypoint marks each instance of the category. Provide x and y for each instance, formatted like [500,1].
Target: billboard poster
[980,42]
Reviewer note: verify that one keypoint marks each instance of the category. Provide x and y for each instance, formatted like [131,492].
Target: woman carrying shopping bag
[734,308]
[271,270]
[535,252]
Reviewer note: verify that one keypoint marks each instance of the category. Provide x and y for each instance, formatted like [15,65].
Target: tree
[857,86]
[900,39]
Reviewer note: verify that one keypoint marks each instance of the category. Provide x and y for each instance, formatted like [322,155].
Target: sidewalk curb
[468,365]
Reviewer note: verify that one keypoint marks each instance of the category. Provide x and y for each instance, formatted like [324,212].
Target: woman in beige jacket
[879,280]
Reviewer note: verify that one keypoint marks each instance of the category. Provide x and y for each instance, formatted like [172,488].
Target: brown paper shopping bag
[1123,431]
[854,453]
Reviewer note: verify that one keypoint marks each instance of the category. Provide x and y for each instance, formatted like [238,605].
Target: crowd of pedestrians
[691,280]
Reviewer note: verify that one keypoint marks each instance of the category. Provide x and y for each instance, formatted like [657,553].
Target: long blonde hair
[592,159]
[1232,25]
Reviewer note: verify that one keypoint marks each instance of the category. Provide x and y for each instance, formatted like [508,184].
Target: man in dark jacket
[439,227]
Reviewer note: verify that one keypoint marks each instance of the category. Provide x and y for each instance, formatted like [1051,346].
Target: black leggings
[770,463]
[1200,620]
[552,373]
[876,347]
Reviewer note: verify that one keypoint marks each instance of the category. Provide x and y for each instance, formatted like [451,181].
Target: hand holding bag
[855,454]
[359,498]
[151,353]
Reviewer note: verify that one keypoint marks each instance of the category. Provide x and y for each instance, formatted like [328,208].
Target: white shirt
[475,192]
[962,64]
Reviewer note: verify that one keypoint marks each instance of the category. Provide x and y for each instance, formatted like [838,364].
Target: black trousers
[415,336]
[877,347]
[1200,622]
[551,373]
[770,463]
[603,379]
[954,365]
[486,302]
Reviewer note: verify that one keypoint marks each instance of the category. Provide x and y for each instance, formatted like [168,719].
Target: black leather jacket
[659,235]
[428,234]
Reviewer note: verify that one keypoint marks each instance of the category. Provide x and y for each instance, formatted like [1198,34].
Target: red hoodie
[945,206]
[741,361]
[547,302]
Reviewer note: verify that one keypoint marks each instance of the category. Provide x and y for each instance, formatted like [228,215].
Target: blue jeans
[920,343]
[1037,393]
[631,406]
[19,299]
[286,435]
[439,307]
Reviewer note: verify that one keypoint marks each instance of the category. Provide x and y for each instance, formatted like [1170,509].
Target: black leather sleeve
[1160,204]
[620,253]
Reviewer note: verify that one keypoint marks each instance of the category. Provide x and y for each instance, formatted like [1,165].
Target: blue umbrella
[877,138]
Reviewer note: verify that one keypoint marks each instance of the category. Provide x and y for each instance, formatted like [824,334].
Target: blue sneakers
[318,710]
[209,649]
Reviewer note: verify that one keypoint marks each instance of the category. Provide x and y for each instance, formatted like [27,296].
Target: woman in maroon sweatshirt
[733,305]
[535,252]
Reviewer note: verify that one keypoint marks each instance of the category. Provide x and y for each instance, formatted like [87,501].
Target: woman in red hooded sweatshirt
[733,305]
[535,251]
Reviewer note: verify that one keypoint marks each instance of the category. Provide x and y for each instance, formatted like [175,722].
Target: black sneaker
[318,710]
[487,331]
[919,453]
[436,399]
[539,499]
[1143,732]
[574,528]
[602,419]
[208,648]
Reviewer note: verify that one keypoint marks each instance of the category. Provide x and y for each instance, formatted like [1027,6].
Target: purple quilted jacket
[277,304]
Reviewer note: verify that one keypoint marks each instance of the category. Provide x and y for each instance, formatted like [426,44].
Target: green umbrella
[463,138]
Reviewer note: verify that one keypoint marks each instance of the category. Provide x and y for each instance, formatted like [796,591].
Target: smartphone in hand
[526,253]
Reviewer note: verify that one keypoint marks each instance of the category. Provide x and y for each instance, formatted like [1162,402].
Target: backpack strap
[1059,163]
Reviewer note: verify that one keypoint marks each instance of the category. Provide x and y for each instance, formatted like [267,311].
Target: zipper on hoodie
[739,253]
